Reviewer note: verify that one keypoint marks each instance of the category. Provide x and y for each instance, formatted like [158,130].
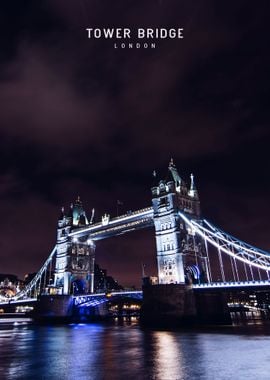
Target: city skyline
[79,118]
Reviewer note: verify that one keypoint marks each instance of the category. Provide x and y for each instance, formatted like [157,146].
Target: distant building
[8,285]
[12,277]
[103,282]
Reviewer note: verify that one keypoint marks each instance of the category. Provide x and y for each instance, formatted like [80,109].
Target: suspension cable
[259,273]
[29,287]
[236,269]
[233,271]
[221,266]
[251,272]
[50,272]
[194,247]
[44,280]
[246,254]
[208,261]
[245,269]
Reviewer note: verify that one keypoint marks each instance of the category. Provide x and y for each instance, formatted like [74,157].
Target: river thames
[123,350]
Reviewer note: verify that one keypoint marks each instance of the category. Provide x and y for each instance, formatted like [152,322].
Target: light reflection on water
[168,356]
[125,351]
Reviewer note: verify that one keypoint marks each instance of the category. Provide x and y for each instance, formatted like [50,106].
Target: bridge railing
[125,218]
[231,284]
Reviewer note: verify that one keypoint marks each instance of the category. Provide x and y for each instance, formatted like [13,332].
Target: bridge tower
[180,254]
[75,258]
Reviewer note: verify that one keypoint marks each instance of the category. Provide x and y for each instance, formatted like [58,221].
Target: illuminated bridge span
[237,250]
[231,284]
[189,249]
[116,226]
[93,300]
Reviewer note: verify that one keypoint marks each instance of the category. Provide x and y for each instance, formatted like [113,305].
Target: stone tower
[74,267]
[180,254]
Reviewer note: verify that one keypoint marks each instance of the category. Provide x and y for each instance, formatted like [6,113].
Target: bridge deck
[207,286]
[125,223]
[228,285]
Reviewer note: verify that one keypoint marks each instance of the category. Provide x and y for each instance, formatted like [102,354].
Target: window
[162,201]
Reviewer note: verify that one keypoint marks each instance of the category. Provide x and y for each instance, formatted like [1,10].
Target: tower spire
[179,183]
[62,213]
[192,191]
[171,162]
[192,182]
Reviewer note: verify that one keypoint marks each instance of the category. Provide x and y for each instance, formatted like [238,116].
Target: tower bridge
[191,252]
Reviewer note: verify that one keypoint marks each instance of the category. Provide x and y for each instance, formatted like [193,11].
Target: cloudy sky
[78,117]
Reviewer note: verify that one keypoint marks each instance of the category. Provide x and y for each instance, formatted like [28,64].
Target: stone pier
[55,308]
[179,305]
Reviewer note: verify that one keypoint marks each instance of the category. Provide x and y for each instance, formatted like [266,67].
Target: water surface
[126,351]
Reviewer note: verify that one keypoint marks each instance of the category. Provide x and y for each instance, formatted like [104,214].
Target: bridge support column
[66,282]
[75,257]
[169,257]
[168,305]
[82,266]
[92,272]
[179,304]
[180,254]
[212,307]
[62,273]
[55,308]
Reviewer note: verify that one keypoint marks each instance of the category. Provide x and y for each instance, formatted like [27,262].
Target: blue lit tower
[75,258]
[180,254]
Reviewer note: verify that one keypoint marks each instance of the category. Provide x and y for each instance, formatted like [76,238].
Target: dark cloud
[79,117]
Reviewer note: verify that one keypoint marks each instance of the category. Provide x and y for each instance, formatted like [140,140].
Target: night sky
[78,117]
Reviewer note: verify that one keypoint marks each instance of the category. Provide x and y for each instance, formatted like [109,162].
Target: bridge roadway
[98,298]
[23,301]
[231,285]
[89,298]
[116,226]
[83,298]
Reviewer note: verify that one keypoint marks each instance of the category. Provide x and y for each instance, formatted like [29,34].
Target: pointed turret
[155,180]
[62,214]
[180,185]
[193,191]
[92,216]
[77,212]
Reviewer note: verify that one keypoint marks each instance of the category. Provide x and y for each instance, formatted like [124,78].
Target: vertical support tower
[75,258]
[180,254]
